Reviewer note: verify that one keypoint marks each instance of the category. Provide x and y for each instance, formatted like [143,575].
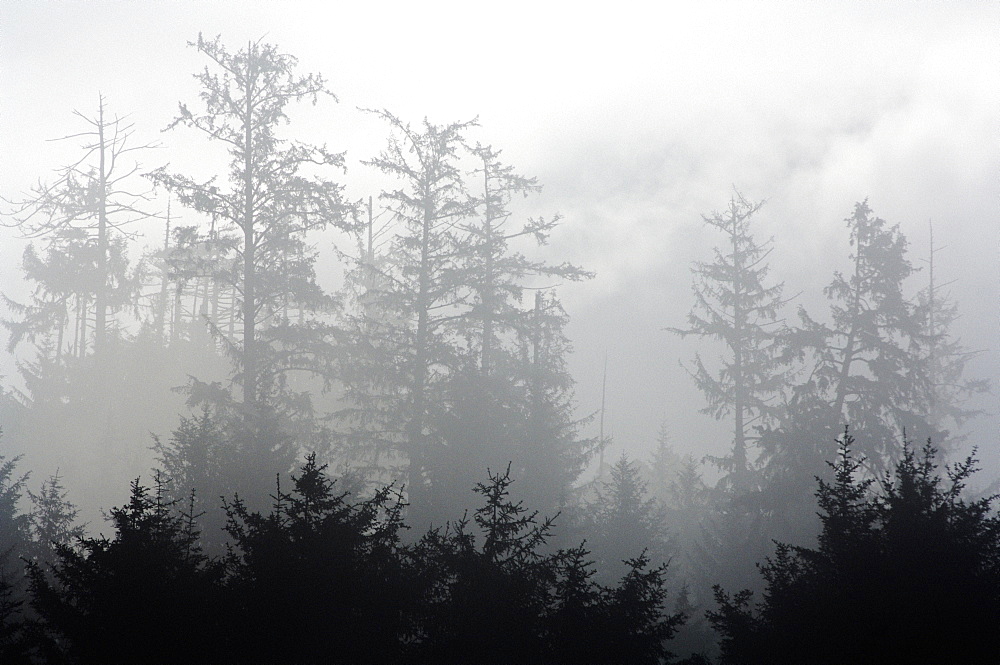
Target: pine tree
[735,305]
[904,571]
[147,595]
[52,520]
[399,348]
[625,522]
[271,204]
[89,202]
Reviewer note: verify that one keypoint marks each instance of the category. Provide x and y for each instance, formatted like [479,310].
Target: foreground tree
[910,573]
[491,593]
[147,595]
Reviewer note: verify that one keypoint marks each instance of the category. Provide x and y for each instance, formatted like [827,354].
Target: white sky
[636,119]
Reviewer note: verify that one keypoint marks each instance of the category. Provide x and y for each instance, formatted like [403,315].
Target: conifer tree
[399,346]
[91,202]
[735,305]
[52,520]
[271,203]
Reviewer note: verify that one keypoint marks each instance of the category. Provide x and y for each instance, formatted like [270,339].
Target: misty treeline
[431,501]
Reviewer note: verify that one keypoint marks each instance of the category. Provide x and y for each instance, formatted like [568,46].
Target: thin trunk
[488,294]
[416,439]
[161,306]
[249,302]
[100,301]
[739,326]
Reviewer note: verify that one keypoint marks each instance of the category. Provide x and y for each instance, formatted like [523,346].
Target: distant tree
[148,595]
[735,305]
[624,521]
[52,520]
[867,368]
[398,344]
[90,200]
[910,573]
[14,646]
[947,358]
[271,203]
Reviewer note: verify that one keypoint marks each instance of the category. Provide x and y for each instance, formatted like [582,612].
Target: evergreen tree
[492,594]
[81,210]
[52,520]
[623,522]
[148,595]
[867,368]
[735,305]
[399,347]
[14,647]
[908,574]
[271,204]
[320,579]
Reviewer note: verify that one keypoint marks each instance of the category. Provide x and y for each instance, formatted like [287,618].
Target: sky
[636,120]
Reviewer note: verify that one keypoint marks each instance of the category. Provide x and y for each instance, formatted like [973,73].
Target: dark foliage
[148,595]
[320,578]
[910,573]
[499,598]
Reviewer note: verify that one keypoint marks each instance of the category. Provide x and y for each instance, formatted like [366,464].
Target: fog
[640,125]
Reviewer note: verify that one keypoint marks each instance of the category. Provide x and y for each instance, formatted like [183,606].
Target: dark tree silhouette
[147,595]
[319,579]
[910,573]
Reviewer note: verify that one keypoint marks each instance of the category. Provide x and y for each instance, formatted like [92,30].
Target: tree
[867,367]
[52,520]
[320,578]
[492,594]
[271,202]
[734,304]
[399,348]
[910,573]
[148,595]
[89,201]
[13,537]
[624,521]
[946,357]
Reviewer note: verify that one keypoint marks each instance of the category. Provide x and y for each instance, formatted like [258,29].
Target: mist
[658,289]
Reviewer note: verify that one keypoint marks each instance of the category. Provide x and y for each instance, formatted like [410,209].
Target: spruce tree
[735,304]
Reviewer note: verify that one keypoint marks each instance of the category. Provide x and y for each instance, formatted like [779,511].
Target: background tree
[623,521]
[271,202]
[52,520]
[91,200]
[399,347]
[734,304]
[867,368]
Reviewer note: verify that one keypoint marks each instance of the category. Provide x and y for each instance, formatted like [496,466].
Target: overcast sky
[636,121]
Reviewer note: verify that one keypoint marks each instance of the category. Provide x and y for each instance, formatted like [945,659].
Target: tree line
[440,359]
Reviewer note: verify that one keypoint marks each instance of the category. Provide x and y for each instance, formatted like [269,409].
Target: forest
[236,459]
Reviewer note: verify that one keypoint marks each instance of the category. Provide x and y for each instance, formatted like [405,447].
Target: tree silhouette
[907,573]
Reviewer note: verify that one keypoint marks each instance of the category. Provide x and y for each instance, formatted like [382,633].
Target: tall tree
[93,197]
[271,201]
[867,367]
[735,305]
[400,347]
